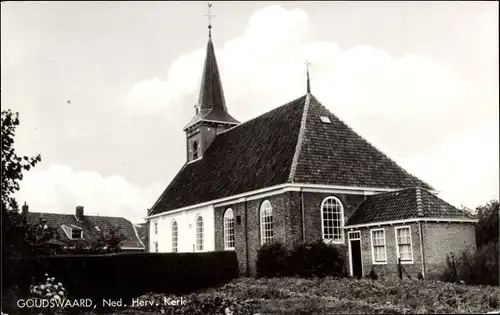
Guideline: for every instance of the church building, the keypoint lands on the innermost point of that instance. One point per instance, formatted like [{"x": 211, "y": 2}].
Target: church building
[{"x": 299, "y": 174}]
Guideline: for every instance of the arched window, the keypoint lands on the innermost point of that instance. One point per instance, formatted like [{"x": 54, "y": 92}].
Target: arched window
[
  {"x": 229, "y": 229},
  {"x": 266, "y": 223},
  {"x": 199, "y": 233},
  {"x": 332, "y": 223},
  {"x": 175, "y": 236},
  {"x": 195, "y": 150}
]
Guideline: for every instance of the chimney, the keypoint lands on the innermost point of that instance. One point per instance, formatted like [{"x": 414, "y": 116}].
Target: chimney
[
  {"x": 25, "y": 209},
  {"x": 79, "y": 212}
]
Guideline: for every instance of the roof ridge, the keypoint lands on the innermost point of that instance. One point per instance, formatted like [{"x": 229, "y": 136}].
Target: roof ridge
[
  {"x": 420, "y": 210},
  {"x": 300, "y": 138},
  {"x": 137, "y": 235},
  {"x": 375, "y": 147},
  {"x": 257, "y": 117}
]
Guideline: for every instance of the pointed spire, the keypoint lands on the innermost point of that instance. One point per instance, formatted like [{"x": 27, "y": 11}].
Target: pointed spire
[
  {"x": 307, "y": 63},
  {"x": 211, "y": 101}
]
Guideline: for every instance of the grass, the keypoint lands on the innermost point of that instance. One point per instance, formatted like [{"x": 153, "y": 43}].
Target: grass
[
  {"x": 342, "y": 296},
  {"x": 329, "y": 296}
]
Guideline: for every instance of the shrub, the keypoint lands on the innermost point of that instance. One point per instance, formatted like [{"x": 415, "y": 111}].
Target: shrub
[
  {"x": 317, "y": 260},
  {"x": 479, "y": 267},
  {"x": 50, "y": 289},
  {"x": 127, "y": 275},
  {"x": 305, "y": 260},
  {"x": 272, "y": 260}
]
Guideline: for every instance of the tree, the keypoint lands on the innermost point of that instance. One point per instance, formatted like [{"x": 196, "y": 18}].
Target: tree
[
  {"x": 19, "y": 237},
  {"x": 12, "y": 164},
  {"x": 487, "y": 228}
]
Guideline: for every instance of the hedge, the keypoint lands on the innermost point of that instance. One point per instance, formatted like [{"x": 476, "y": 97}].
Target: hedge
[
  {"x": 123, "y": 275},
  {"x": 306, "y": 260}
]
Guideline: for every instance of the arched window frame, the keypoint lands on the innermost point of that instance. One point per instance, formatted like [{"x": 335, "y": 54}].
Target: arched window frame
[
  {"x": 327, "y": 238},
  {"x": 175, "y": 236},
  {"x": 199, "y": 236},
  {"x": 266, "y": 225},
  {"x": 195, "y": 150},
  {"x": 228, "y": 221}
]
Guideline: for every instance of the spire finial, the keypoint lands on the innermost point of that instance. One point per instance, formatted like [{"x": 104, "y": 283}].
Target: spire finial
[
  {"x": 307, "y": 63},
  {"x": 210, "y": 16}
]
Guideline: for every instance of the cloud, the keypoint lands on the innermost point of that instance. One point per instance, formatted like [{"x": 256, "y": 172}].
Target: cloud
[
  {"x": 466, "y": 167},
  {"x": 60, "y": 189},
  {"x": 412, "y": 107}
]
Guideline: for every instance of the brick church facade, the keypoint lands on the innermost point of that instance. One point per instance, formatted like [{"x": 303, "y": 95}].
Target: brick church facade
[{"x": 298, "y": 174}]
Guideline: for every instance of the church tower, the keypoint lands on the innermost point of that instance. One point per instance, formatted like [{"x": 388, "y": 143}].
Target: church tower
[{"x": 211, "y": 115}]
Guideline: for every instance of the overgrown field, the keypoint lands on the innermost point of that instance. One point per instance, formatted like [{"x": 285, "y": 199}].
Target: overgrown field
[{"x": 330, "y": 295}]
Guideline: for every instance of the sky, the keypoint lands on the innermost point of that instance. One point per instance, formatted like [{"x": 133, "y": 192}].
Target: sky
[{"x": 104, "y": 89}]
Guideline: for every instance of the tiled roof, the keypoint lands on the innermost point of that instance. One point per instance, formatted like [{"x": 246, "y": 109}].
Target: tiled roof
[
  {"x": 142, "y": 231},
  {"x": 88, "y": 224},
  {"x": 333, "y": 154},
  {"x": 259, "y": 153},
  {"x": 253, "y": 155},
  {"x": 404, "y": 204}
]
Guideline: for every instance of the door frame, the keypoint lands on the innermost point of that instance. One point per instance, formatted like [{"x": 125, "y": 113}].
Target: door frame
[{"x": 355, "y": 236}]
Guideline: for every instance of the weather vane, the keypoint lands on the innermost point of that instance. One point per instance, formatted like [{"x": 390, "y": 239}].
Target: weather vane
[
  {"x": 210, "y": 16},
  {"x": 307, "y": 63}
]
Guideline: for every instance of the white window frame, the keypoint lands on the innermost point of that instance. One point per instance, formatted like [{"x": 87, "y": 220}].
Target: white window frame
[
  {"x": 176, "y": 238},
  {"x": 342, "y": 236},
  {"x": 374, "y": 262},
  {"x": 199, "y": 236},
  {"x": 396, "y": 228},
  {"x": 264, "y": 238},
  {"x": 76, "y": 230},
  {"x": 156, "y": 227},
  {"x": 228, "y": 228},
  {"x": 351, "y": 236}
]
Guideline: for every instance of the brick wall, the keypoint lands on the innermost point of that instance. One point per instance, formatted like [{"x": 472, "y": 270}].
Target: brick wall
[
  {"x": 441, "y": 239},
  {"x": 312, "y": 211},
  {"x": 247, "y": 233},
  {"x": 390, "y": 268},
  {"x": 287, "y": 216}
]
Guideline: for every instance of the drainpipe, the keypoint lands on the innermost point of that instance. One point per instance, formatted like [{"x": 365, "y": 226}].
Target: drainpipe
[
  {"x": 246, "y": 238},
  {"x": 422, "y": 247},
  {"x": 303, "y": 216}
]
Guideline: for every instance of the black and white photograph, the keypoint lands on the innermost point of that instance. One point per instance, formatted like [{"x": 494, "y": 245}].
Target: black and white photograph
[{"x": 250, "y": 157}]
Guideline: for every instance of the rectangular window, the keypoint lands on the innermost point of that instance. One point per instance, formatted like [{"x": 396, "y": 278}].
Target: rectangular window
[
  {"x": 156, "y": 247},
  {"x": 156, "y": 227},
  {"x": 76, "y": 234},
  {"x": 379, "y": 255},
  {"x": 403, "y": 241}
]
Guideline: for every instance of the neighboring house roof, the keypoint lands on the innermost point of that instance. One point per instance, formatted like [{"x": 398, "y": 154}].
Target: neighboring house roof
[
  {"x": 404, "y": 204},
  {"x": 142, "y": 231},
  {"x": 287, "y": 144},
  {"x": 91, "y": 227}
]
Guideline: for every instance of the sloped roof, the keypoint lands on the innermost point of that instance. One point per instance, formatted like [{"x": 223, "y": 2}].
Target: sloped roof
[
  {"x": 142, "y": 231},
  {"x": 88, "y": 224},
  {"x": 287, "y": 144},
  {"x": 404, "y": 204},
  {"x": 211, "y": 101}
]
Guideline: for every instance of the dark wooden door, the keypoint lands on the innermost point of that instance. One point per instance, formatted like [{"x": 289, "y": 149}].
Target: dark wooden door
[{"x": 357, "y": 268}]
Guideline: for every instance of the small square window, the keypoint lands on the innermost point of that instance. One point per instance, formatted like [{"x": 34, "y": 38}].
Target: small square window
[
  {"x": 76, "y": 234},
  {"x": 325, "y": 119}
]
